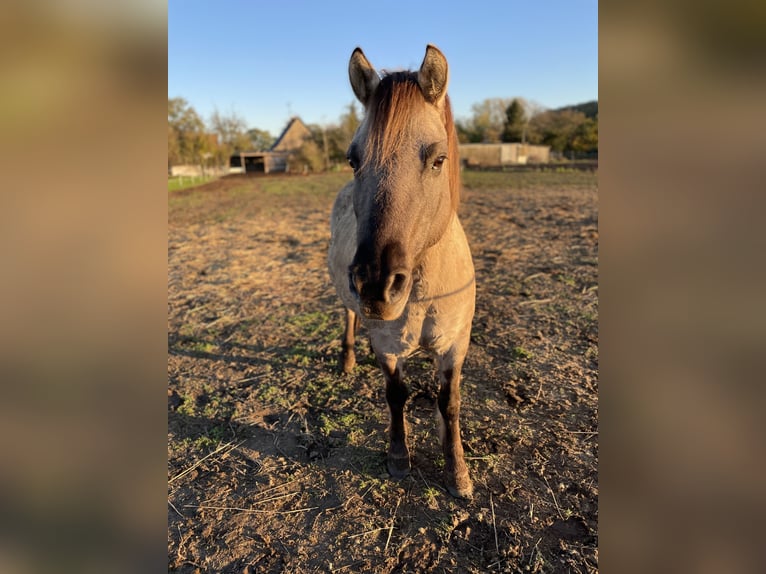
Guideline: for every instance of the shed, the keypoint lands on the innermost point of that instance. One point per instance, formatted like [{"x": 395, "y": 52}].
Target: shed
[
  {"x": 275, "y": 159},
  {"x": 500, "y": 154}
]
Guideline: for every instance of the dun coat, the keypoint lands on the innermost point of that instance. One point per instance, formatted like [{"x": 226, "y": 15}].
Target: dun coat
[{"x": 398, "y": 256}]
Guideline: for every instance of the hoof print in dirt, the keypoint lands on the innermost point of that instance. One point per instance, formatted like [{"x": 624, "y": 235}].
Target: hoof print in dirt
[
  {"x": 317, "y": 450},
  {"x": 572, "y": 529}
]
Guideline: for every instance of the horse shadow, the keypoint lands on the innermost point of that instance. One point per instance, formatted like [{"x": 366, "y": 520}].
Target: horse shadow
[
  {"x": 302, "y": 434},
  {"x": 297, "y": 433}
]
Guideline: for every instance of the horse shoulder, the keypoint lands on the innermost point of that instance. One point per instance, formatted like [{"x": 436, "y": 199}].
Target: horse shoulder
[{"x": 342, "y": 243}]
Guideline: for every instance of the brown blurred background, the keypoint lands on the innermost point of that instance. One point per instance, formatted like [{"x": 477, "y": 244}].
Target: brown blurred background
[
  {"x": 83, "y": 289},
  {"x": 683, "y": 314}
]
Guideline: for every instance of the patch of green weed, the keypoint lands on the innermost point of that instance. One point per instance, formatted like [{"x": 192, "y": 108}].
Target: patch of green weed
[
  {"x": 343, "y": 422},
  {"x": 187, "y": 407},
  {"x": 429, "y": 495},
  {"x": 202, "y": 347},
  {"x": 310, "y": 323},
  {"x": 325, "y": 388},
  {"x": 272, "y": 394},
  {"x": 522, "y": 353}
]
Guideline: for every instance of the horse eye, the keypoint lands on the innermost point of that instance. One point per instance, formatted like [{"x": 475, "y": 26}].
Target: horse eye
[
  {"x": 438, "y": 162},
  {"x": 351, "y": 163}
]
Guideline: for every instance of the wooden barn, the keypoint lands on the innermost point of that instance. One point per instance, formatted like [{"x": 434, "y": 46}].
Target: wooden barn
[
  {"x": 501, "y": 154},
  {"x": 275, "y": 159}
]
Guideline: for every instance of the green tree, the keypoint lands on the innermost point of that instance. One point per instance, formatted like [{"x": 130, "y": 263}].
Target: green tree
[
  {"x": 349, "y": 122},
  {"x": 556, "y": 128},
  {"x": 174, "y": 149},
  {"x": 567, "y": 129},
  {"x": 585, "y": 139},
  {"x": 337, "y": 142},
  {"x": 337, "y": 137},
  {"x": 260, "y": 140},
  {"x": 308, "y": 157},
  {"x": 187, "y": 140},
  {"x": 465, "y": 133},
  {"x": 515, "y": 122},
  {"x": 489, "y": 121}
]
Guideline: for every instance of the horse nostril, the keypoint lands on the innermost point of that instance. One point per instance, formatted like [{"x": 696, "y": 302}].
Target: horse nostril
[
  {"x": 396, "y": 286},
  {"x": 400, "y": 280}
]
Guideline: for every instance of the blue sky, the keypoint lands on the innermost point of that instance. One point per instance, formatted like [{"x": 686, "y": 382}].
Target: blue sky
[{"x": 268, "y": 60}]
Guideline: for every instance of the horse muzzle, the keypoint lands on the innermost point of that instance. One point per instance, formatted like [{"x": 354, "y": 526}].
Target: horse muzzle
[{"x": 381, "y": 296}]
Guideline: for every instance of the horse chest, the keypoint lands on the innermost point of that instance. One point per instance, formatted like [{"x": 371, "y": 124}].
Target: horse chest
[
  {"x": 438, "y": 335},
  {"x": 400, "y": 337},
  {"x": 419, "y": 328}
]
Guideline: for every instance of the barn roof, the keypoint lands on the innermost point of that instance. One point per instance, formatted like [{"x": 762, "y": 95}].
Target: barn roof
[
  {"x": 290, "y": 139},
  {"x": 292, "y": 136}
]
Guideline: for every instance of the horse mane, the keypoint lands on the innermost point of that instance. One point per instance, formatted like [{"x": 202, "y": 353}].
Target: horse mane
[{"x": 390, "y": 112}]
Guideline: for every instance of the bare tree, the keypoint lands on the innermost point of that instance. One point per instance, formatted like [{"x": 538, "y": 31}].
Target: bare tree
[
  {"x": 531, "y": 109},
  {"x": 231, "y": 131}
]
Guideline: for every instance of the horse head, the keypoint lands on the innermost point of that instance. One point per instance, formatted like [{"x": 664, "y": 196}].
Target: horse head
[{"x": 406, "y": 178}]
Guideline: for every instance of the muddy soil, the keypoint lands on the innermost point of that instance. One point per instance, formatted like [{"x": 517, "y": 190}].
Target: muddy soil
[{"x": 276, "y": 461}]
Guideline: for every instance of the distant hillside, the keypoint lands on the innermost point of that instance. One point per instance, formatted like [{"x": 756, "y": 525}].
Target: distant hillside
[{"x": 590, "y": 109}]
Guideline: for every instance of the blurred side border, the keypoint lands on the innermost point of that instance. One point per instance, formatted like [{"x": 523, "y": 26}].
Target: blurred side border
[{"x": 683, "y": 317}]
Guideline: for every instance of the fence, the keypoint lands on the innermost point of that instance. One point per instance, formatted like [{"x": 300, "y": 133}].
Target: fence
[{"x": 185, "y": 181}]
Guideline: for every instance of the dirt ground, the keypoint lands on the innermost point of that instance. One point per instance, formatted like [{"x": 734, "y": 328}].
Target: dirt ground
[{"x": 276, "y": 461}]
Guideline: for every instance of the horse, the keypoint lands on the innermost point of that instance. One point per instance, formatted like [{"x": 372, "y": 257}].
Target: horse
[{"x": 398, "y": 255}]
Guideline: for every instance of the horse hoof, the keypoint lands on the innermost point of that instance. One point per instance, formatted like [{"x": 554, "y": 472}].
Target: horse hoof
[
  {"x": 348, "y": 362},
  {"x": 460, "y": 487},
  {"x": 398, "y": 467}
]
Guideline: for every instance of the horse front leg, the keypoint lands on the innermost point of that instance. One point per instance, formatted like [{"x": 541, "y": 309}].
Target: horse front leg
[
  {"x": 448, "y": 418},
  {"x": 347, "y": 355},
  {"x": 398, "y": 459}
]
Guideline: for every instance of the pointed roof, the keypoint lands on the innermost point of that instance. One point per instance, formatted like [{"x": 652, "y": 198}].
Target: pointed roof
[{"x": 292, "y": 136}]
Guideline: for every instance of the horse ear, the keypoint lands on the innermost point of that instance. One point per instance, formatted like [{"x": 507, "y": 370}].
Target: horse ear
[
  {"x": 364, "y": 78},
  {"x": 433, "y": 75}
]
